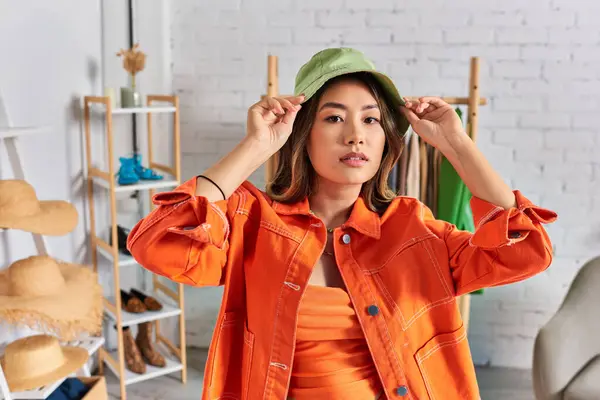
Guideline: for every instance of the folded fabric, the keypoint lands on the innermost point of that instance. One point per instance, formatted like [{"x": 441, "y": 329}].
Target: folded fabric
[{"x": 70, "y": 389}]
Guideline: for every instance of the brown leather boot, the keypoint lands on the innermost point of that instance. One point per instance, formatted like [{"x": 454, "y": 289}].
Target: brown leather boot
[
  {"x": 131, "y": 303},
  {"x": 133, "y": 357},
  {"x": 150, "y": 302},
  {"x": 144, "y": 342}
]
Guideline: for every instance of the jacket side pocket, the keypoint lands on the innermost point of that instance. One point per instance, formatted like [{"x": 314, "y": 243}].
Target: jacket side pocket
[
  {"x": 247, "y": 361},
  {"x": 226, "y": 372},
  {"x": 446, "y": 367}
]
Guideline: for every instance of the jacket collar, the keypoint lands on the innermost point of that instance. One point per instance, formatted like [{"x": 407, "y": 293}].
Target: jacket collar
[
  {"x": 300, "y": 208},
  {"x": 364, "y": 220},
  {"x": 361, "y": 218}
]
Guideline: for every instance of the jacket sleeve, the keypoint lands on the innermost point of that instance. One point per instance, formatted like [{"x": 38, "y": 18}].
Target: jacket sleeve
[
  {"x": 186, "y": 238},
  {"x": 507, "y": 246}
]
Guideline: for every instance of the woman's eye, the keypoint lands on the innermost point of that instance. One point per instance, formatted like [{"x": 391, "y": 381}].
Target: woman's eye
[
  {"x": 371, "y": 120},
  {"x": 334, "y": 118}
]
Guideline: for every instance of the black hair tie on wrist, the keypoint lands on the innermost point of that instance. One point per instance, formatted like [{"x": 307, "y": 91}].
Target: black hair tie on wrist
[{"x": 213, "y": 182}]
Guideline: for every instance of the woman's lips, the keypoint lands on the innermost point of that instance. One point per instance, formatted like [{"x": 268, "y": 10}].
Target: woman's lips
[{"x": 354, "y": 160}]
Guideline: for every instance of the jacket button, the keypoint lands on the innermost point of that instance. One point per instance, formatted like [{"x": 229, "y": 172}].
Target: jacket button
[
  {"x": 402, "y": 391},
  {"x": 373, "y": 310},
  {"x": 346, "y": 239}
]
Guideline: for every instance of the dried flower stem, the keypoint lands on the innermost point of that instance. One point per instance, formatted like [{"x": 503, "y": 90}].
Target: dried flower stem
[{"x": 134, "y": 61}]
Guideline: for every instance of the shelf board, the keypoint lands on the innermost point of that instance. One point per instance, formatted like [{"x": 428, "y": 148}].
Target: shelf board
[
  {"x": 136, "y": 110},
  {"x": 129, "y": 319},
  {"x": 20, "y": 131},
  {"x": 166, "y": 182},
  {"x": 124, "y": 260},
  {"x": 144, "y": 110},
  {"x": 172, "y": 366},
  {"x": 91, "y": 344}
]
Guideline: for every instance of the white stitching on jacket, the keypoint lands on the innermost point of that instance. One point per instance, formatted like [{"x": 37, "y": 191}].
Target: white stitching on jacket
[
  {"x": 279, "y": 365},
  {"x": 292, "y": 285}
]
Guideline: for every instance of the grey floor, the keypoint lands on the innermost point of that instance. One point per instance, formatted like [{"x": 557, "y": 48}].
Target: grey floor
[{"x": 495, "y": 383}]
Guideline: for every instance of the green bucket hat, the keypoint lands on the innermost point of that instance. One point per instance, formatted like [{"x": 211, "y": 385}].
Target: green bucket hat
[{"x": 333, "y": 62}]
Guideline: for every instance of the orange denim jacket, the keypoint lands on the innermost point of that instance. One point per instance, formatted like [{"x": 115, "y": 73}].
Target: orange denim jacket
[{"x": 402, "y": 270}]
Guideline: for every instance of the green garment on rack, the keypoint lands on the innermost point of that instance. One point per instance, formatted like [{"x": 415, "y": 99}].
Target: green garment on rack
[{"x": 454, "y": 198}]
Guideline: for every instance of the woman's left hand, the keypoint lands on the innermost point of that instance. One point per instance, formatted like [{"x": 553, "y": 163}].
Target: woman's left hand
[{"x": 435, "y": 121}]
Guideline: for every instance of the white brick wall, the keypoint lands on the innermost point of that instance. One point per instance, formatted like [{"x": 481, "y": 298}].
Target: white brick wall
[{"x": 540, "y": 129}]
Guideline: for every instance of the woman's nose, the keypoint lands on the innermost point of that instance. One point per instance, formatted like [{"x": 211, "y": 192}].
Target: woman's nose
[{"x": 355, "y": 134}]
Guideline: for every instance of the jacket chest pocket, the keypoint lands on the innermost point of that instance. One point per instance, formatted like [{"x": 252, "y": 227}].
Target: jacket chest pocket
[
  {"x": 413, "y": 281},
  {"x": 230, "y": 372}
]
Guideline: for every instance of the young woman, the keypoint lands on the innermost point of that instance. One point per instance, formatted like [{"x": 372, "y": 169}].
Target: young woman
[{"x": 335, "y": 288}]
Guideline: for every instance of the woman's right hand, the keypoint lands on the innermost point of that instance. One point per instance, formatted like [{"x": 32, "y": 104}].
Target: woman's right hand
[{"x": 270, "y": 121}]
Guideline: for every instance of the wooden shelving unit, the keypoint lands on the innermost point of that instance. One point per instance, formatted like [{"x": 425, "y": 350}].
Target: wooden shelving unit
[{"x": 173, "y": 301}]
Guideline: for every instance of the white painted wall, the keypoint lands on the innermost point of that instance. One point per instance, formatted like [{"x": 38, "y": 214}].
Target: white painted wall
[
  {"x": 540, "y": 129},
  {"x": 50, "y": 58}
]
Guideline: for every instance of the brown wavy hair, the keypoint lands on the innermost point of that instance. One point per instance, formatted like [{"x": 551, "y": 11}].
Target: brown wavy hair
[{"x": 295, "y": 177}]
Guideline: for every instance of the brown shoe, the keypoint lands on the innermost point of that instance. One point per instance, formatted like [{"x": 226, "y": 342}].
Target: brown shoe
[
  {"x": 133, "y": 357},
  {"x": 131, "y": 303},
  {"x": 144, "y": 342},
  {"x": 150, "y": 302}
]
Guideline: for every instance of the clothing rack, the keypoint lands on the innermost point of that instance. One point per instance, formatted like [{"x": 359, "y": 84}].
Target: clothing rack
[{"x": 473, "y": 102}]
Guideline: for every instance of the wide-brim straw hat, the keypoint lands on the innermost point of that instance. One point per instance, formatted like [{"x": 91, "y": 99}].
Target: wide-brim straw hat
[
  {"x": 36, "y": 361},
  {"x": 21, "y": 209},
  {"x": 51, "y": 296}
]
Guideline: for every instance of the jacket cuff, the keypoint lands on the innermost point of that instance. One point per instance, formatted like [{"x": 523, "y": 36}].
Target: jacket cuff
[
  {"x": 213, "y": 226},
  {"x": 496, "y": 227},
  {"x": 180, "y": 194}
]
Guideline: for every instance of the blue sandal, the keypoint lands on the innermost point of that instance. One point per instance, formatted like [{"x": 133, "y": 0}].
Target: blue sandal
[
  {"x": 126, "y": 173},
  {"x": 143, "y": 172}
]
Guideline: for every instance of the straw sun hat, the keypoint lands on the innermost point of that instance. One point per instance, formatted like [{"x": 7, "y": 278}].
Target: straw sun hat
[
  {"x": 21, "y": 209},
  {"x": 57, "y": 297},
  {"x": 38, "y": 360}
]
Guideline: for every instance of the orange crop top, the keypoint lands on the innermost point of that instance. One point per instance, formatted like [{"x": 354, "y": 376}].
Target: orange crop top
[{"x": 332, "y": 360}]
